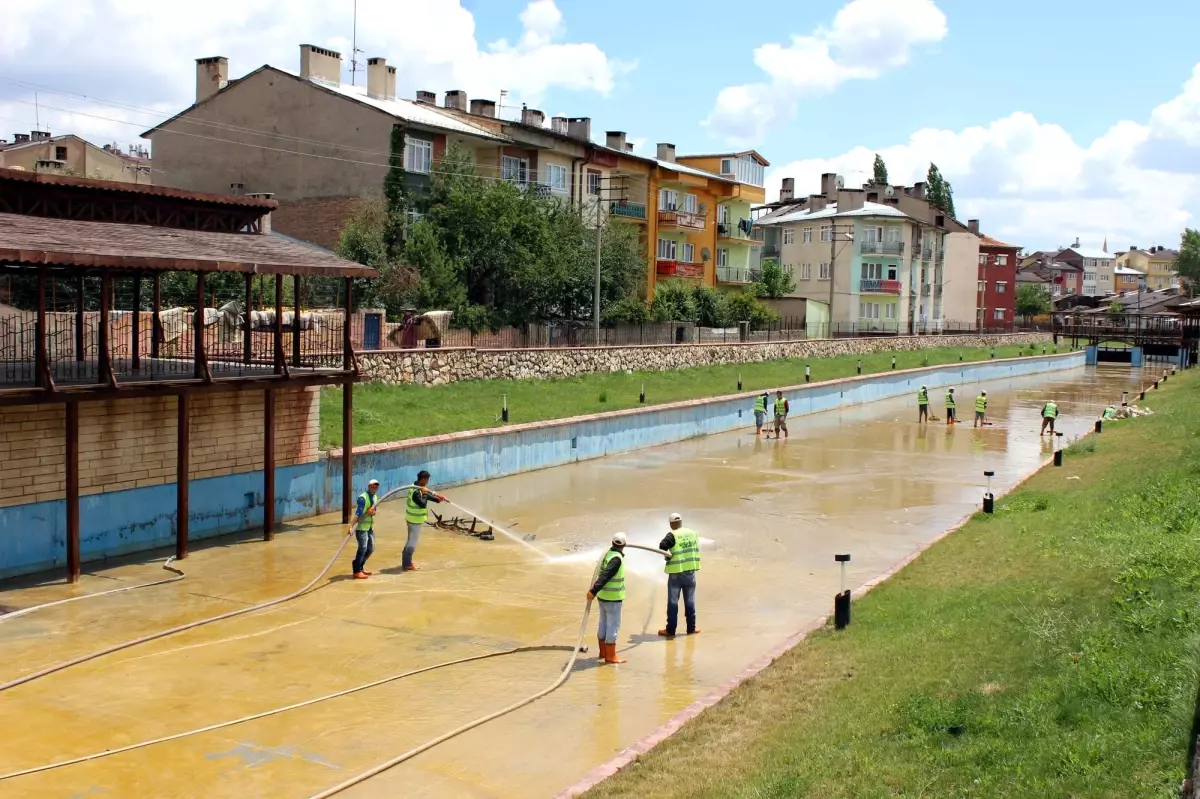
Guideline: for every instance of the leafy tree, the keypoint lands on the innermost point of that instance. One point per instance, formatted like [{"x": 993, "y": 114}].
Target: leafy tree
[
  {"x": 672, "y": 303},
  {"x": 1032, "y": 300},
  {"x": 742, "y": 307},
  {"x": 710, "y": 305},
  {"x": 881, "y": 176},
  {"x": 938, "y": 191},
  {"x": 395, "y": 199},
  {"x": 1116, "y": 310},
  {"x": 949, "y": 195},
  {"x": 631, "y": 310},
  {"x": 774, "y": 282},
  {"x": 364, "y": 240},
  {"x": 1187, "y": 264}
]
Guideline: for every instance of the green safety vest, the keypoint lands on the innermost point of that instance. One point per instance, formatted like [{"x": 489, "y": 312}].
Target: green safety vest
[
  {"x": 1050, "y": 411},
  {"x": 781, "y": 407},
  {"x": 414, "y": 513},
  {"x": 981, "y": 404},
  {"x": 366, "y": 522},
  {"x": 949, "y": 399},
  {"x": 614, "y": 589},
  {"x": 760, "y": 405},
  {"x": 685, "y": 555},
  {"x": 922, "y": 397}
]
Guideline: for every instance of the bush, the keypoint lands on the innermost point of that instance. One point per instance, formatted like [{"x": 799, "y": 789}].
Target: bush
[
  {"x": 712, "y": 306},
  {"x": 631, "y": 310},
  {"x": 672, "y": 303},
  {"x": 742, "y": 306}
]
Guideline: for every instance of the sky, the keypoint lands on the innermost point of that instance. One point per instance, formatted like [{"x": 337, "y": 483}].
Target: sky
[{"x": 1052, "y": 119}]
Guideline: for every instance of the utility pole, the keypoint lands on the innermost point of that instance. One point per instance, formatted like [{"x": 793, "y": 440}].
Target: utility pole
[
  {"x": 354, "y": 51},
  {"x": 599, "y": 233}
]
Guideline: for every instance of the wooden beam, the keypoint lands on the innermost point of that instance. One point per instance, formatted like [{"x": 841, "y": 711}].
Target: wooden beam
[
  {"x": 296, "y": 321},
  {"x": 347, "y": 449},
  {"x": 247, "y": 338},
  {"x": 269, "y": 464},
  {"x": 72, "y": 498},
  {"x": 182, "y": 470},
  {"x": 102, "y": 333},
  {"x": 347, "y": 342},
  {"x": 156, "y": 332},
  {"x": 201, "y": 357},
  {"x": 279, "y": 357},
  {"x": 136, "y": 351},
  {"x": 79, "y": 290},
  {"x": 42, "y": 357}
]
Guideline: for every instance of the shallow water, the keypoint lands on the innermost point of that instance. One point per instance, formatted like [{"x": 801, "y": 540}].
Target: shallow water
[{"x": 865, "y": 480}]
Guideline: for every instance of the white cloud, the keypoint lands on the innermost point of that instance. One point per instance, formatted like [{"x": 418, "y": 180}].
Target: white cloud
[
  {"x": 143, "y": 53},
  {"x": 867, "y": 38},
  {"x": 1033, "y": 184}
]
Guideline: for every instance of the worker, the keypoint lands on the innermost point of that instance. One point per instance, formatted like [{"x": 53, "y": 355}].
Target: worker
[
  {"x": 980, "y": 409},
  {"x": 1049, "y": 414},
  {"x": 951, "y": 418},
  {"x": 760, "y": 413},
  {"x": 416, "y": 512},
  {"x": 683, "y": 561},
  {"x": 363, "y": 527},
  {"x": 922, "y": 405},
  {"x": 781, "y": 412},
  {"x": 609, "y": 589}
]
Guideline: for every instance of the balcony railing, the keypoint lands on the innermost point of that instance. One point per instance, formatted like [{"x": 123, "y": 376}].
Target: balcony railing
[
  {"x": 869, "y": 285},
  {"x": 940, "y": 256},
  {"x": 729, "y": 230},
  {"x": 628, "y": 210},
  {"x": 925, "y": 290},
  {"x": 737, "y": 274},
  {"x": 770, "y": 251},
  {"x": 883, "y": 247},
  {"x": 685, "y": 219},
  {"x": 927, "y": 254},
  {"x": 667, "y": 268}
]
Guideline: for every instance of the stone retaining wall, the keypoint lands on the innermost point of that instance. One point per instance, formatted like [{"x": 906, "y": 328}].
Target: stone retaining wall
[{"x": 436, "y": 367}]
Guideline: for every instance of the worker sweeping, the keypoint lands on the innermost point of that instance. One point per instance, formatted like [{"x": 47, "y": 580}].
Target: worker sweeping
[
  {"x": 760, "y": 413},
  {"x": 1049, "y": 414},
  {"x": 609, "y": 591},
  {"x": 980, "y": 409},
  {"x": 683, "y": 561},
  {"x": 951, "y": 417},
  {"x": 922, "y": 405},
  {"x": 781, "y": 414},
  {"x": 363, "y": 527},
  {"x": 416, "y": 512}
]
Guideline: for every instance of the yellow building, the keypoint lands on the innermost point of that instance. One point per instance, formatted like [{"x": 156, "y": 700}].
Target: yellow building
[
  {"x": 1156, "y": 263},
  {"x": 70, "y": 155}
]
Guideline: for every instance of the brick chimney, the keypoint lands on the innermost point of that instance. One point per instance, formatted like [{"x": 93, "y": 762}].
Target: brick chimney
[
  {"x": 628, "y": 146},
  {"x": 973, "y": 226},
  {"x": 428, "y": 98},
  {"x": 378, "y": 74},
  {"x": 829, "y": 185},
  {"x": 457, "y": 99},
  {"x": 579, "y": 128},
  {"x": 212, "y": 75},
  {"x": 559, "y": 125},
  {"x": 615, "y": 140},
  {"x": 320, "y": 64},
  {"x": 918, "y": 190},
  {"x": 787, "y": 190},
  {"x": 39, "y": 135},
  {"x": 666, "y": 152},
  {"x": 20, "y": 138},
  {"x": 483, "y": 108},
  {"x": 264, "y": 221},
  {"x": 532, "y": 117}
]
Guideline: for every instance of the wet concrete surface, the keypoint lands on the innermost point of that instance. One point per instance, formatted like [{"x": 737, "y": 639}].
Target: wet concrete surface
[{"x": 868, "y": 480}]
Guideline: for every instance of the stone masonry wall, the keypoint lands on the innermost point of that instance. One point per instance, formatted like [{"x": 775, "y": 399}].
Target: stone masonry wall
[
  {"x": 130, "y": 443},
  {"x": 439, "y": 366}
]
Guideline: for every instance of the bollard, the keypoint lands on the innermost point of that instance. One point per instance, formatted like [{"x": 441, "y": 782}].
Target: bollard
[
  {"x": 993, "y": 353},
  {"x": 893, "y": 361},
  {"x": 926, "y": 359},
  {"x": 989, "y": 499},
  {"x": 1099, "y": 424},
  {"x": 739, "y": 382},
  {"x": 841, "y": 602},
  {"x": 807, "y": 374},
  {"x": 1058, "y": 453},
  {"x": 1164, "y": 375},
  {"x": 1142, "y": 396},
  {"x": 642, "y": 396},
  {"x": 1043, "y": 349},
  {"x": 860, "y": 366},
  {"x": 504, "y": 410},
  {"x": 960, "y": 356},
  {"x": 1124, "y": 398},
  {"x": 1156, "y": 385}
]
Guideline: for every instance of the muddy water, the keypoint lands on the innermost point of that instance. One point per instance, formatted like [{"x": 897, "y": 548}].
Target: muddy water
[{"x": 868, "y": 481}]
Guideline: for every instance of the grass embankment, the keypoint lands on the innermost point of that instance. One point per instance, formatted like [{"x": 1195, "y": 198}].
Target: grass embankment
[
  {"x": 393, "y": 413},
  {"x": 1045, "y": 651}
]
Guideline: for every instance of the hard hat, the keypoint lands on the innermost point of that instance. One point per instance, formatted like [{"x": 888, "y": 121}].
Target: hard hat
[
  {"x": 619, "y": 539},
  {"x": 951, "y": 389},
  {"x": 922, "y": 388},
  {"x": 675, "y": 517},
  {"x": 372, "y": 482},
  {"x": 984, "y": 393}
]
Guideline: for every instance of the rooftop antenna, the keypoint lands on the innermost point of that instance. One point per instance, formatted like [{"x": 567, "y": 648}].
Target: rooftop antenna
[{"x": 354, "y": 51}]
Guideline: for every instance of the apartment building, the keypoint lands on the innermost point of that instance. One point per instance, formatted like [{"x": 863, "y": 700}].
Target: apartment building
[
  {"x": 1096, "y": 268},
  {"x": 68, "y": 154},
  {"x": 1062, "y": 279},
  {"x": 1126, "y": 279},
  {"x": 1156, "y": 263},
  {"x": 997, "y": 286}
]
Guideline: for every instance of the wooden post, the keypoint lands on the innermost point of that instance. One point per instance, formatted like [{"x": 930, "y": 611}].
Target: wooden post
[
  {"x": 102, "y": 333},
  {"x": 156, "y": 331},
  {"x": 347, "y": 346},
  {"x": 198, "y": 343},
  {"x": 41, "y": 355},
  {"x": 136, "y": 352},
  {"x": 182, "y": 470},
  {"x": 296, "y": 321},
  {"x": 79, "y": 288},
  {"x": 347, "y": 448},
  {"x": 72, "y": 458},
  {"x": 247, "y": 352},
  {"x": 278, "y": 360},
  {"x": 269, "y": 464}
]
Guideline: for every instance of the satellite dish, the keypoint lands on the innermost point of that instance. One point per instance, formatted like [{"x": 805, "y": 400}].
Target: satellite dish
[
  {"x": 841, "y": 182},
  {"x": 704, "y": 254},
  {"x": 889, "y": 191}
]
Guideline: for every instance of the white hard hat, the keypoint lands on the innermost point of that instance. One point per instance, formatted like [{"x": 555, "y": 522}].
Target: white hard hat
[
  {"x": 922, "y": 388},
  {"x": 675, "y": 517},
  {"x": 619, "y": 539},
  {"x": 984, "y": 393},
  {"x": 372, "y": 482}
]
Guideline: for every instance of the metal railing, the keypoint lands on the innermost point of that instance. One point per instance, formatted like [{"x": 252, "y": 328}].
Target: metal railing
[
  {"x": 685, "y": 219},
  {"x": 628, "y": 210},
  {"x": 882, "y": 247},
  {"x": 869, "y": 285},
  {"x": 728, "y": 230},
  {"x": 737, "y": 274}
]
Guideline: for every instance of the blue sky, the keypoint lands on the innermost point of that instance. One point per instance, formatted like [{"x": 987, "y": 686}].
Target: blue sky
[{"x": 1053, "y": 119}]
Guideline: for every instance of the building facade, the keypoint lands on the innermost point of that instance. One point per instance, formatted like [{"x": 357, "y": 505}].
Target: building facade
[
  {"x": 1126, "y": 279},
  {"x": 1156, "y": 263},
  {"x": 1095, "y": 267},
  {"x": 69, "y": 155},
  {"x": 997, "y": 286}
]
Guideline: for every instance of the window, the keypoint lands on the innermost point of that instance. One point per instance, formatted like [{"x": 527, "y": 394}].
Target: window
[
  {"x": 593, "y": 183},
  {"x": 893, "y": 235},
  {"x": 689, "y": 253},
  {"x": 668, "y": 199},
  {"x": 1089, "y": 277},
  {"x": 889, "y": 311},
  {"x": 826, "y": 232},
  {"x": 514, "y": 170},
  {"x": 689, "y": 203},
  {"x": 418, "y": 155},
  {"x": 872, "y": 271},
  {"x": 998, "y": 314},
  {"x": 666, "y": 250},
  {"x": 789, "y": 236},
  {"x": 871, "y": 234},
  {"x": 982, "y": 286},
  {"x": 723, "y": 214},
  {"x": 722, "y": 256},
  {"x": 892, "y": 273},
  {"x": 556, "y": 177},
  {"x": 868, "y": 310},
  {"x": 808, "y": 235},
  {"x": 823, "y": 274},
  {"x": 982, "y": 259},
  {"x": 1001, "y": 260},
  {"x": 60, "y": 153},
  {"x": 1001, "y": 287},
  {"x": 806, "y": 271},
  {"x": 726, "y": 166}
]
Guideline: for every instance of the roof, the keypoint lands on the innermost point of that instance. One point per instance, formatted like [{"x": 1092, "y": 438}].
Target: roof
[
  {"x": 988, "y": 241},
  {"x": 1030, "y": 276},
  {"x": 754, "y": 153},
  {"x": 1083, "y": 252},
  {"x": 830, "y": 211},
  {"x": 21, "y": 176},
  {"x": 8, "y": 148},
  {"x": 685, "y": 169},
  {"x": 1125, "y": 270},
  {"x": 32, "y": 240}
]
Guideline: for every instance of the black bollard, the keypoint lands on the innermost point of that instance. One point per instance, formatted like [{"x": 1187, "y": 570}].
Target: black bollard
[
  {"x": 739, "y": 382},
  {"x": 841, "y": 602},
  {"x": 993, "y": 354},
  {"x": 504, "y": 410},
  {"x": 960, "y": 356},
  {"x": 1156, "y": 385},
  {"x": 642, "y": 395},
  {"x": 893, "y": 361},
  {"x": 989, "y": 499},
  {"x": 1142, "y": 396},
  {"x": 1058, "y": 453},
  {"x": 1043, "y": 349},
  {"x": 1124, "y": 398},
  {"x": 1099, "y": 425},
  {"x": 860, "y": 367},
  {"x": 807, "y": 374}
]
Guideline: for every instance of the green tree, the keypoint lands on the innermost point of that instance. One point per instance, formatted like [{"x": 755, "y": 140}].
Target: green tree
[
  {"x": 364, "y": 240},
  {"x": 710, "y": 305},
  {"x": 774, "y": 281},
  {"x": 1187, "y": 264},
  {"x": 672, "y": 303},
  {"x": 1032, "y": 300},
  {"x": 880, "y": 177},
  {"x": 1116, "y": 310},
  {"x": 630, "y": 310},
  {"x": 395, "y": 197},
  {"x": 938, "y": 191},
  {"x": 743, "y": 307}
]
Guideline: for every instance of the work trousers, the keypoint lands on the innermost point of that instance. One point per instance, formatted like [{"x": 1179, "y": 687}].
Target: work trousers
[
  {"x": 366, "y": 546},
  {"x": 410, "y": 546},
  {"x": 610, "y": 620},
  {"x": 685, "y": 583}
]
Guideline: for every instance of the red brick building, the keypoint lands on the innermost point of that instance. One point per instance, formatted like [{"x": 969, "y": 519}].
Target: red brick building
[{"x": 997, "y": 282}]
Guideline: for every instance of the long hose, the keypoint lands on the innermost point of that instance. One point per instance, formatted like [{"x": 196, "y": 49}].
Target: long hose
[{"x": 179, "y": 575}]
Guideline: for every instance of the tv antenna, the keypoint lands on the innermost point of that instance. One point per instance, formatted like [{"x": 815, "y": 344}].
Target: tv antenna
[{"x": 354, "y": 51}]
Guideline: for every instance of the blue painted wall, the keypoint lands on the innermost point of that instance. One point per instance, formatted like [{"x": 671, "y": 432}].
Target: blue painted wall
[{"x": 32, "y": 537}]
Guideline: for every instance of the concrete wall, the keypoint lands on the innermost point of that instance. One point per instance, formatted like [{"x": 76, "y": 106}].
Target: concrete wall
[
  {"x": 960, "y": 279},
  {"x": 32, "y": 535}
]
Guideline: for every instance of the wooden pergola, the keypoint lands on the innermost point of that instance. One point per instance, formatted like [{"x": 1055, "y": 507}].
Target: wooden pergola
[{"x": 56, "y": 228}]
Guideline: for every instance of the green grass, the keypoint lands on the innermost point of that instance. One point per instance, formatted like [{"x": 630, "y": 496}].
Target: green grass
[
  {"x": 392, "y": 413},
  {"x": 1048, "y": 650}
]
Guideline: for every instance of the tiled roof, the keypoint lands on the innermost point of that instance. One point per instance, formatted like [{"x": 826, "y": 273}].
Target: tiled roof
[
  {"x": 32, "y": 240},
  {"x": 19, "y": 176},
  {"x": 988, "y": 241},
  {"x": 1126, "y": 270}
]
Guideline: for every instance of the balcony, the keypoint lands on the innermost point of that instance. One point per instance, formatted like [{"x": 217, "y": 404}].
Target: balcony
[
  {"x": 736, "y": 274},
  {"x": 927, "y": 254},
  {"x": 628, "y": 210},
  {"x": 874, "y": 286},
  {"x": 731, "y": 232},
  {"x": 883, "y": 247},
  {"x": 925, "y": 290},
  {"x": 665, "y": 268},
  {"x": 940, "y": 257},
  {"x": 681, "y": 219}
]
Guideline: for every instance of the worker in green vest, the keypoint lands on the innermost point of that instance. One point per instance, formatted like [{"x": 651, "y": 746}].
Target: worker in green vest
[
  {"x": 683, "y": 561},
  {"x": 609, "y": 590},
  {"x": 363, "y": 527},
  {"x": 416, "y": 512},
  {"x": 980, "y": 409},
  {"x": 951, "y": 417},
  {"x": 760, "y": 413},
  {"x": 922, "y": 405},
  {"x": 781, "y": 414},
  {"x": 1049, "y": 414}
]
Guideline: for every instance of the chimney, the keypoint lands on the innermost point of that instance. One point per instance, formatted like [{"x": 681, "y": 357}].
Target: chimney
[
  {"x": 20, "y": 138},
  {"x": 264, "y": 221},
  {"x": 391, "y": 83},
  {"x": 829, "y": 185},
  {"x": 212, "y": 75},
  {"x": 429, "y": 98},
  {"x": 483, "y": 108},
  {"x": 559, "y": 125},
  {"x": 579, "y": 128},
  {"x": 973, "y": 226},
  {"x": 39, "y": 135},
  {"x": 816, "y": 202},
  {"x": 615, "y": 140},
  {"x": 532, "y": 117},
  {"x": 666, "y": 152},
  {"x": 918, "y": 190},
  {"x": 787, "y": 190},
  {"x": 377, "y": 78},
  {"x": 1132, "y": 247},
  {"x": 456, "y": 99},
  {"x": 1076, "y": 244},
  {"x": 320, "y": 64},
  {"x": 628, "y": 146}
]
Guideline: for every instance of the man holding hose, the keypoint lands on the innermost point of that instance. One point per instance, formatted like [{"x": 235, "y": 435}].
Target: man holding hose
[
  {"x": 683, "y": 561},
  {"x": 416, "y": 512},
  {"x": 609, "y": 590},
  {"x": 363, "y": 527}
]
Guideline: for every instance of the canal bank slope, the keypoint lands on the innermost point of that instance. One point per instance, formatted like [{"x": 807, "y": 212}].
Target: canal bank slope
[{"x": 1046, "y": 650}]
